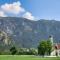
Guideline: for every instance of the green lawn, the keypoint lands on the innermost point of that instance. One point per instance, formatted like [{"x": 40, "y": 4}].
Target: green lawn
[{"x": 18, "y": 57}]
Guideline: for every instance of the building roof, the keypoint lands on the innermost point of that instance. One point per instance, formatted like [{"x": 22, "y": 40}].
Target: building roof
[{"x": 57, "y": 46}]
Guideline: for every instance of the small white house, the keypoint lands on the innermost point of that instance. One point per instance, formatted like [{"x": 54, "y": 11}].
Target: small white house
[
  {"x": 55, "y": 47},
  {"x": 56, "y": 50}
]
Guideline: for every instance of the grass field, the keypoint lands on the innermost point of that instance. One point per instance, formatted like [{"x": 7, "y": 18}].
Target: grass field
[{"x": 17, "y": 57}]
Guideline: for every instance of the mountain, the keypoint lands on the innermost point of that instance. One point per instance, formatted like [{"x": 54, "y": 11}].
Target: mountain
[{"x": 27, "y": 33}]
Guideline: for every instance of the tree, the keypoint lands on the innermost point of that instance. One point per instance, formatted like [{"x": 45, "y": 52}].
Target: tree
[
  {"x": 49, "y": 47},
  {"x": 44, "y": 47},
  {"x": 32, "y": 51},
  {"x": 13, "y": 50}
]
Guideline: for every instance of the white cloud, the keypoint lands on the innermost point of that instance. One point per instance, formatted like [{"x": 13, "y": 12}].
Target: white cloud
[
  {"x": 14, "y": 8},
  {"x": 2, "y": 14},
  {"x": 28, "y": 15}
]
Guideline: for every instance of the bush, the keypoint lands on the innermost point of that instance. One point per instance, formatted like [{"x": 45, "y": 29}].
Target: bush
[
  {"x": 13, "y": 50},
  {"x": 5, "y": 52},
  {"x": 25, "y": 51}
]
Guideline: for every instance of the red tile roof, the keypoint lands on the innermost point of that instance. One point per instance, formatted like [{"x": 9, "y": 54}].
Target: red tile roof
[{"x": 57, "y": 46}]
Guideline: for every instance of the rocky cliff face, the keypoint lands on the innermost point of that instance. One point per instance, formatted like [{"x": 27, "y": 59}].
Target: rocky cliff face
[{"x": 27, "y": 33}]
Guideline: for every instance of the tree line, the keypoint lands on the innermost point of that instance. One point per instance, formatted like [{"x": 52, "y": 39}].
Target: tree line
[{"x": 44, "y": 48}]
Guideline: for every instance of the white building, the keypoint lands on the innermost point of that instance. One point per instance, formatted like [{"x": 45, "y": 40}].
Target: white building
[
  {"x": 55, "y": 47},
  {"x": 56, "y": 50}
]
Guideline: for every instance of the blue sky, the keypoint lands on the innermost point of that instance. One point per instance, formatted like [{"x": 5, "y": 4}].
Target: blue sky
[{"x": 37, "y": 9}]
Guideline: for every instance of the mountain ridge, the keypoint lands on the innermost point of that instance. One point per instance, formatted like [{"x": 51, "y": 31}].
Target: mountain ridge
[{"x": 27, "y": 33}]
